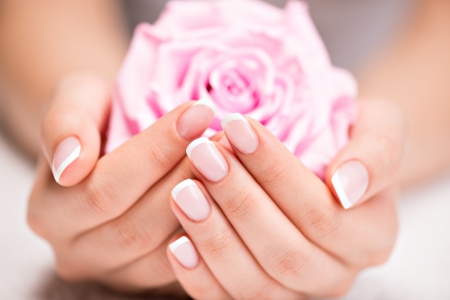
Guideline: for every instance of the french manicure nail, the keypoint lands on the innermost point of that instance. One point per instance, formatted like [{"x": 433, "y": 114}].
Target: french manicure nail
[
  {"x": 196, "y": 119},
  {"x": 184, "y": 252},
  {"x": 240, "y": 133},
  {"x": 65, "y": 154},
  {"x": 350, "y": 182},
  {"x": 207, "y": 159},
  {"x": 191, "y": 200}
]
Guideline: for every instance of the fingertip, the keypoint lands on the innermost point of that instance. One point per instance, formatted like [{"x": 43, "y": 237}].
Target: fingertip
[{"x": 184, "y": 252}]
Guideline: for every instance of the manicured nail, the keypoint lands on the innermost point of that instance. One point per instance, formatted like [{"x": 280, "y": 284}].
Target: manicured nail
[
  {"x": 191, "y": 200},
  {"x": 65, "y": 154},
  {"x": 350, "y": 182},
  {"x": 196, "y": 119},
  {"x": 207, "y": 159},
  {"x": 184, "y": 252},
  {"x": 240, "y": 133}
]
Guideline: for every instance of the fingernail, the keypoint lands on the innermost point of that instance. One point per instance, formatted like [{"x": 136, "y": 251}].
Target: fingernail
[
  {"x": 191, "y": 200},
  {"x": 65, "y": 154},
  {"x": 196, "y": 119},
  {"x": 350, "y": 182},
  {"x": 240, "y": 133},
  {"x": 184, "y": 252},
  {"x": 207, "y": 159}
]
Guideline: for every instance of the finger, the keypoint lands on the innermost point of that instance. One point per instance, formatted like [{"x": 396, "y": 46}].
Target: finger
[
  {"x": 72, "y": 126},
  {"x": 277, "y": 244},
  {"x": 307, "y": 201},
  {"x": 221, "y": 248},
  {"x": 123, "y": 176},
  {"x": 372, "y": 158},
  {"x": 139, "y": 231},
  {"x": 192, "y": 272},
  {"x": 151, "y": 271}
]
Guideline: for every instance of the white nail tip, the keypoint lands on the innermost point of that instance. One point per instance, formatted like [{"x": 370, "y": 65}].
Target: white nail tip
[
  {"x": 336, "y": 181},
  {"x": 70, "y": 159},
  {"x": 182, "y": 240},
  {"x": 195, "y": 143},
  {"x": 181, "y": 186},
  {"x": 208, "y": 103},
  {"x": 233, "y": 117}
]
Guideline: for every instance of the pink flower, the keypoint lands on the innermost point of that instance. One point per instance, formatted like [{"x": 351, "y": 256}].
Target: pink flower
[{"x": 248, "y": 57}]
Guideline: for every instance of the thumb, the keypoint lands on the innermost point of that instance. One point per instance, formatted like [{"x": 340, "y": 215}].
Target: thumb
[
  {"x": 72, "y": 127},
  {"x": 371, "y": 160}
]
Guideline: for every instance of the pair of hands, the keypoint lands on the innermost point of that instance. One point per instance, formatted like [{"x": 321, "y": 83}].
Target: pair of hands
[{"x": 268, "y": 226}]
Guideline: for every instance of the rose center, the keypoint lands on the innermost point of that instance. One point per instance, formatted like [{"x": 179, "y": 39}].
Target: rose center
[{"x": 233, "y": 88}]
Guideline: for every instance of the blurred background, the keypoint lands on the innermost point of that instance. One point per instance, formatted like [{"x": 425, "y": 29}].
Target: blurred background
[{"x": 366, "y": 36}]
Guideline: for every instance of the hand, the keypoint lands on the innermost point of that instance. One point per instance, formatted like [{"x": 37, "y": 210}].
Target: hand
[
  {"x": 260, "y": 225},
  {"x": 108, "y": 219}
]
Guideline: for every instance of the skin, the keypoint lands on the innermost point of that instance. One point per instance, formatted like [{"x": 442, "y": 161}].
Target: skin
[
  {"x": 412, "y": 72},
  {"x": 61, "y": 45},
  {"x": 107, "y": 232},
  {"x": 262, "y": 238}
]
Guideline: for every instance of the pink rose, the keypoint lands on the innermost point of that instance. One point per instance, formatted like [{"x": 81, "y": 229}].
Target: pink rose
[{"x": 247, "y": 57}]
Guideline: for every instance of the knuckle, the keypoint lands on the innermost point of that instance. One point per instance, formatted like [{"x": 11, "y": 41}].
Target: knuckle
[
  {"x": 219, "y": 245},
  {"x": 273, "y": 174},
  {"x": 97, "y": 198},
  {"x": 159, "y": 157},
  {"x": 291, "y": 263},
  {"x": 131, "y": 235},
  {"x": 320, "y": 221},
  {"x": 240, "y": 206}
]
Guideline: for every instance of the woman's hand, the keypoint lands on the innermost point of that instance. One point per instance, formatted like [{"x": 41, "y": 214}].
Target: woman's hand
[
  {"x": 260, "y": 225},
  {"x": 111, "y": 221}
]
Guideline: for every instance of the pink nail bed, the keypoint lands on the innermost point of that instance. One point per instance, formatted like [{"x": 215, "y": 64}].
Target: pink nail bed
[
  {"x": 350, "y": 182},
  {"x": 240, "y": 133},
  {"x": 65, "y": 154},
  {"x": 184, "y": 252},
  {"x": 191, "y": 200},
  {"x": 207, "y": 159}
]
